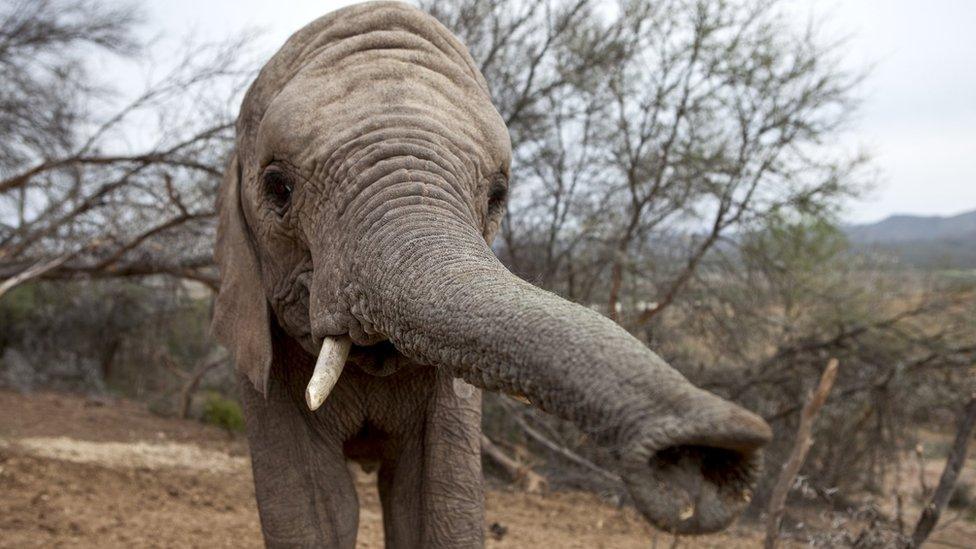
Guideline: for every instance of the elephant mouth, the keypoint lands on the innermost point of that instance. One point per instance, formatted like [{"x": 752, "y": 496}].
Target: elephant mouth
[
  {"x": 380, "y": 359},
  {"x": 338, "y": 352}
]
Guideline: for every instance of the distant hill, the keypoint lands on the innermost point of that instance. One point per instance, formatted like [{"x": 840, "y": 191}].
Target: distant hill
[{"x": 924, "y": 241}]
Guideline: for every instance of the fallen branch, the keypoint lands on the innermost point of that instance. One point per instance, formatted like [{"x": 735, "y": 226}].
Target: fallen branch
[
  {"x": 525, "y": 477},
  {"x": 802, "y": 444},
  {"x": 561, "y": 450},
  {"x": 947, "y": 483}
]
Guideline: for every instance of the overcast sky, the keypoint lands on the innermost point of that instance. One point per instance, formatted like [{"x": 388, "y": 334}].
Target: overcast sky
[{"x": 918, "y": 117}]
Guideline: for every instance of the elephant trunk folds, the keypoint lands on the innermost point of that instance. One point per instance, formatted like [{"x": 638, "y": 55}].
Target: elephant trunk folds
[{"x": 434, "y": 288}]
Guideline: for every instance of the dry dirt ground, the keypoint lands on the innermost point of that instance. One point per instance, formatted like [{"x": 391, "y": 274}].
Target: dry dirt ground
[{"x": 76, "y": 472}]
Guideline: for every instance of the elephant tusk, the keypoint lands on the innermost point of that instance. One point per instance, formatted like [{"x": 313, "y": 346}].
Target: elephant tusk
[{"x": 328, "y": 368}]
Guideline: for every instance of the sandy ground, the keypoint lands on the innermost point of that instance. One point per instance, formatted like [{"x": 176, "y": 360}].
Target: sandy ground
[{"x": 86, "y": 473}]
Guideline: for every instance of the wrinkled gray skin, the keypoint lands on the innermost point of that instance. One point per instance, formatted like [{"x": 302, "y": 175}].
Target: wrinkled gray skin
[{"x": 377, "y": 119}]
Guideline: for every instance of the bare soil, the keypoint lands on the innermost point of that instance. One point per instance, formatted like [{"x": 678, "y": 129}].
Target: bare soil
[{"x": 77, "y": 472}]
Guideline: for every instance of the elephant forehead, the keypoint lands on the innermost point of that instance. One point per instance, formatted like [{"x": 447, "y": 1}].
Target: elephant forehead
[
  {"x": 369, "y": 68},
  {"x": 321, "y": 111}
]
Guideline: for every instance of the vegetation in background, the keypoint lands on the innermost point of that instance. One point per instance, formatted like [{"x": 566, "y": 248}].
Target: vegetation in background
[
  {"x": 224, "y": 413},
  {"x": 144, "y": 340}
]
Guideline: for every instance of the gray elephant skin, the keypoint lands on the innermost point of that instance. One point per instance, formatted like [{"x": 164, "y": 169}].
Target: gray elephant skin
[{"x": 369, "y": 175}]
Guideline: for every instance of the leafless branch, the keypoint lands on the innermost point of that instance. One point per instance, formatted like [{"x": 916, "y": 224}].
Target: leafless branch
[{"x": 801, "y": 446}]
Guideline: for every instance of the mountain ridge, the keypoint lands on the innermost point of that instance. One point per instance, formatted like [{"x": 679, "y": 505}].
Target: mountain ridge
[
  {"x": 907, "y": 227},
  {"x": 921, "y": 240}
]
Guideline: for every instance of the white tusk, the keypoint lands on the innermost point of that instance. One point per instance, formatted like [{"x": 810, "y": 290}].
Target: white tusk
[{"x": 328, "y": 368}]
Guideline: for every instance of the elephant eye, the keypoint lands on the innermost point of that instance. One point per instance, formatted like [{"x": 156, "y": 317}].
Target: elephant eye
[
  {"x": 496, "y": 195},
  {"x": 278, "y": 187}
]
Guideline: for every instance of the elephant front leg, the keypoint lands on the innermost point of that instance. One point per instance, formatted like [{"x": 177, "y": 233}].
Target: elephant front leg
[
  {"x": 306, "y": 496},
  {"x": 432, "y": 489}
]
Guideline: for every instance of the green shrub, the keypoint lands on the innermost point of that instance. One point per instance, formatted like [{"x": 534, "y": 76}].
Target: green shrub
[{"x": 224, "y": 413}]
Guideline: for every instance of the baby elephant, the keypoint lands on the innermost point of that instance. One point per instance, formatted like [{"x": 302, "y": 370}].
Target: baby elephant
[{"x": 358, "y": 290}]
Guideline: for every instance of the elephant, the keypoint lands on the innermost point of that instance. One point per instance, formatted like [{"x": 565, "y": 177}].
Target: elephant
[{"x": 359, "y": 292}]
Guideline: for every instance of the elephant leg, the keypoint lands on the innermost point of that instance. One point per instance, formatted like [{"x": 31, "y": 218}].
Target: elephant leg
[
  {"x": 431, "y": 487},
  {"x": 306, "y": 496}
]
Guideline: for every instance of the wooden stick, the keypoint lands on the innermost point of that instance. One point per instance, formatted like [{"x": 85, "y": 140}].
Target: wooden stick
[{"x": 802, "y": 444}]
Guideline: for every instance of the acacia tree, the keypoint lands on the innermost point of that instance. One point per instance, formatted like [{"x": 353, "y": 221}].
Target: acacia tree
[
  {"x": 91, "y": 190},
  {"x": 646, "y": 133}
]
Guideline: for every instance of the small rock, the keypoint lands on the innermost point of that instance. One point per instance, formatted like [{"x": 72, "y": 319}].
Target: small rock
[{"x": 497, "y": 531}]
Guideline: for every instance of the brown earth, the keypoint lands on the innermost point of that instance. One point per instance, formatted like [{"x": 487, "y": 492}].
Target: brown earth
[{"x": 77, "y": 472}]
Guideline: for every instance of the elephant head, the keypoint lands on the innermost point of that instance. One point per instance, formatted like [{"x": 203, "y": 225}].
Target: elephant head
[{"x": 370, "y": 174}]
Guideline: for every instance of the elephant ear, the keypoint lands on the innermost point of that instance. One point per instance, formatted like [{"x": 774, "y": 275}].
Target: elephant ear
[{"x": 240, "y": 320}]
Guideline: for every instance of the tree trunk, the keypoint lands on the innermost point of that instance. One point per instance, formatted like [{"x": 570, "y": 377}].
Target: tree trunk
[
  {"x": 190, "y": 386},
  {"x": 108, "y": 357},
  {"x": 947, "y": 483}
]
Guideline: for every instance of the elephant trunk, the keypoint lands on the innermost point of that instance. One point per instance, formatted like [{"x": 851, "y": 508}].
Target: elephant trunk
[{"x": 433, "y": 287}]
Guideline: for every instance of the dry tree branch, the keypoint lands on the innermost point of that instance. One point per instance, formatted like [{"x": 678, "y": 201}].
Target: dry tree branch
[
  {"x": 71, "y": 174},
  {"x": 37, "y": 270},
  {"x": 529, "y": 480},
  {"x": 798, "y": 454},
  {"x": 950, "y": 474}
]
